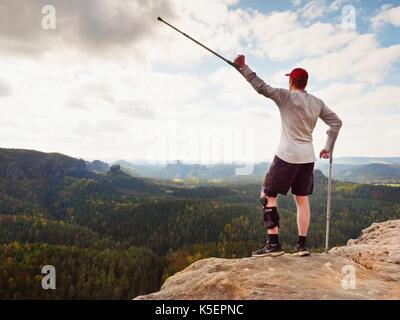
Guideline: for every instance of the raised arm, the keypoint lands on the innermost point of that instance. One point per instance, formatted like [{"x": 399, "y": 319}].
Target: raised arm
[
  {"x": 276, "y": 94},
  {"x": 334, "y": 123}
]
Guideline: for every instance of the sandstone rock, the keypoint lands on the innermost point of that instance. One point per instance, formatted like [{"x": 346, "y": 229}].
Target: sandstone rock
[
  {"x": 378, "y": 248},
  {"x": 374, "y": 257}
]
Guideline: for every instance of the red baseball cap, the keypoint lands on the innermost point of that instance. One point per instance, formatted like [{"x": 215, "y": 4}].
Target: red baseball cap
[{"x": 298, "y": 74}]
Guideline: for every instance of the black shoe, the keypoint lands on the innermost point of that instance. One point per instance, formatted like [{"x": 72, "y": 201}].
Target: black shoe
[
  {"x": 269, "y": 251},
  {"x": 300, "y": 250}
]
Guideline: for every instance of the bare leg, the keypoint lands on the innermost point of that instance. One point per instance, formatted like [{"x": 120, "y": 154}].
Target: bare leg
[
  {"x": 272, "y": 203},
  {"x": 303, "y": 214}
]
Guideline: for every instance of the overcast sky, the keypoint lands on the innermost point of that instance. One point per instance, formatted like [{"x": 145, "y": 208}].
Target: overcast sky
[{"x": 111, "y": 82}]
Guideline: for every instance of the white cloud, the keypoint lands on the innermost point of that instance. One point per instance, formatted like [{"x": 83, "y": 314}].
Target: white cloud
[
  {"x": 361, "y": 60},
  {"x": 267, "y": 28},
  {"x": 340, "y": 95},
  {"x": 137, "y": 109},
  {"x": 335, "y": 5},
  {"x": 321, "y": 38},
  {"x": 358, "y": 97},
  {"x": 5, "y": 89},
  {"x": 370, "y": 116},
  {"x": 234, "y": 91},
  {"x": 89, "y": 25},
  {"x": 388, "y": 15},
  {"x": 313, "y": 9},
  {"x": 296, "y": 3},
  {"x": 213, "y": 23},
  {"x": 88, "y": 102},
  {"x": 104, "y": 105}
]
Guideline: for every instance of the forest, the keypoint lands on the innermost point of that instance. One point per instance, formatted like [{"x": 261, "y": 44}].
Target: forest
[{"x": 111, "y": 235}]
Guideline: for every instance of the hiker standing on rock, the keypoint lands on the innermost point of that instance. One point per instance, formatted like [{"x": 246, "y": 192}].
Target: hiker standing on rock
[{"x": 293, "y": 164}]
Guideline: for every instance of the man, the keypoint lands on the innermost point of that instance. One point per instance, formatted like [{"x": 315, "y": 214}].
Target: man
[{"x": 293, "y": 164}]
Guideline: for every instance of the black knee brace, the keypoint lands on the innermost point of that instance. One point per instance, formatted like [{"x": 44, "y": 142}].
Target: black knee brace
[{"x": 271, "y": 217}]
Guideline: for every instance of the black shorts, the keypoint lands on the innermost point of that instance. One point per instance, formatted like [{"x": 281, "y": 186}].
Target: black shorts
[{"x": 283, "y": 176}]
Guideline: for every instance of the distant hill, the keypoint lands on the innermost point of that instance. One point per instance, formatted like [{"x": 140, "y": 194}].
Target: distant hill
[
  {"x": 38, "y": 180},
  {"x": 31, "y": 178},
  {"x": 20, "y": 163},
  {"x": 367, "y": 160},
  {"x": 181, "y": 170},
  {"x": 387, "y": 171},
  {"x": 97, "y": 166},
  {"x": 367, "y": 173}
]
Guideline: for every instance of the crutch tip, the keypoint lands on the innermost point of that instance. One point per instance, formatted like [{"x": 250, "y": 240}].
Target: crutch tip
[{"x": 159, "y": 19}]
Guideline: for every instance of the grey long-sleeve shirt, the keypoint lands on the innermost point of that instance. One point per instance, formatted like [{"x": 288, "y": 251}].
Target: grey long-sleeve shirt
[{"x": 299, "y": 114}]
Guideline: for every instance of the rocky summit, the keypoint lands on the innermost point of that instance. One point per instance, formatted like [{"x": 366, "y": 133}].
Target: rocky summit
[{"x": 366, "y": 268}]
